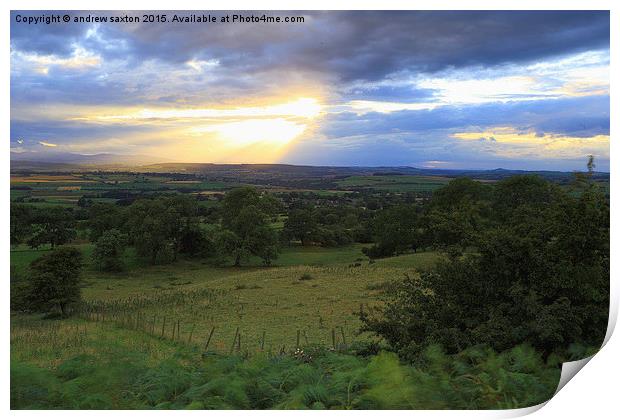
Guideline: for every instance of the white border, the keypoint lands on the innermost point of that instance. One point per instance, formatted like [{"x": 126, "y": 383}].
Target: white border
[{"x": 591, "y": 394}]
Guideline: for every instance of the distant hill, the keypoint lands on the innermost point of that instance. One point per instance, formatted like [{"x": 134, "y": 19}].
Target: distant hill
[
  {"x": 55, "y": 158},
  {"x": 270, "y": 174}
]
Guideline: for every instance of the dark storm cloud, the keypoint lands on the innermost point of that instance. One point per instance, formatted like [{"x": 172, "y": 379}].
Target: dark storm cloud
[
  {"x": 346, "y": 45},
  {"x": 45, "y": 39}
]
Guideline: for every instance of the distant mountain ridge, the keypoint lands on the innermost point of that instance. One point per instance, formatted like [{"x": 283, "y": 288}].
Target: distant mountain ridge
[
  {"x": 81, "y": 159},
  {"x": 271, "y": 173}
]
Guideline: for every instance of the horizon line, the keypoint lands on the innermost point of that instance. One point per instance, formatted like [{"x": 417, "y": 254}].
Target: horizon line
[{"x": 300, "y": 165}]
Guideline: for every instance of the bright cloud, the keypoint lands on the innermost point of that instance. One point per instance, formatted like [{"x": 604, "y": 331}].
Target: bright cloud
[
  {"x": 46, "y": 144},
  {"x": 302, "y": 107},
  {"x": 79, "y": 59},
  {"x": 508, "y": 142}
]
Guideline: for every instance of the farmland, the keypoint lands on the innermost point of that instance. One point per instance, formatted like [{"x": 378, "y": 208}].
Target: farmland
[
  {"x": 395, "y": 183},
  {"x": 220, "y": 275}
]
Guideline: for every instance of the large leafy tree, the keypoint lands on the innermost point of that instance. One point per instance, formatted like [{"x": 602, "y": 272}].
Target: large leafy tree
[
  {"x": 103, "y": 217},
  {"x": 456, "y": 214},
  {"x": 246, "y": 230},
  {"x": 395, "y": 230},
  {"x": 54, "y": 226},
  {"x": 109, "y": 250},
  {"x": 238, "y": 199},
  {"x": 159, "y": 228},
  {"x": 54, "y": 281},
  {"x": 301, "y": 225}
]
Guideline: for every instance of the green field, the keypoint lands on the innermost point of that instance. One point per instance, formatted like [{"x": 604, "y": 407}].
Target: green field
[
  {"x": 395, "y": 183},
  {"x": 310, "y": 289}
]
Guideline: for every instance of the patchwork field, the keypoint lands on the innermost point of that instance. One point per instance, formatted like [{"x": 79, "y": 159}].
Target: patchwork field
[{"x": 66, "y": 190}]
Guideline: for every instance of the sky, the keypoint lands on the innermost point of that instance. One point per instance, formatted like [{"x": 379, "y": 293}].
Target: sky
[{"x": 441, "y": 90}]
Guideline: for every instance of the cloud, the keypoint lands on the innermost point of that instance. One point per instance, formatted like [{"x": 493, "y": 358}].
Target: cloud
[
  {"x": 80, "y": 59},
  {"x": 301, "y": 107},
  {"x": 579, "y": 116},
  {"x": 358, "y": 45},
  {"x": 511, "y": 143},
  {"x": 45, "y": 144},
  {"x": 381, "y": 88}
]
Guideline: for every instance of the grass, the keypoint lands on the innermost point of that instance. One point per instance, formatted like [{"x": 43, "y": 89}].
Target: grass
[
  {"x": 74, "y": 364},
  {"x": 318, "y": 256},
  {"x": 395, "y": 183},
  {"x": 46, "y": 343},
  {"x": 258, "y": 300},
  {"x": 142, "y": 343},
  {"x": 273, "y": 301}
]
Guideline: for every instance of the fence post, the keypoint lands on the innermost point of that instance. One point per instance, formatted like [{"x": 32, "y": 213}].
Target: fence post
[
  {"x": 232, "y": 348},
  {"x": 209, "y": 339}
]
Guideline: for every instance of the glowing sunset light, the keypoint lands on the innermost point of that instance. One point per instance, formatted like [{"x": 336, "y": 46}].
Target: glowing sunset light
[
  {"x": 274, "y": 131},
  {"x": 302, "y": 108}
]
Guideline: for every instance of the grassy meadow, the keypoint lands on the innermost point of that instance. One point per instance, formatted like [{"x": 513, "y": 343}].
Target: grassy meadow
[
  {"x": 281, "y": 338},
  {"x": 312, "y": 290}
]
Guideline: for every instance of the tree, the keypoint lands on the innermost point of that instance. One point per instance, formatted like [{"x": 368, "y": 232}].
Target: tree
[
  {"x": 181, "y": 218},
  {"x": 103, "y": 217},
  {"x": 159, "y": 228},
  {"x": 228, "y": 243},
  {"x": 300, "y": 224},
  {"x": 263, "y": 243},
  {"x": 21, "y": 228},
  {"x": 85, "y": 202},
  {"x": 148, "y": 231},
  {"x": 196, "y": 242},
  {"x": 456, "y": 214},
  {"x": 395, "y": 230},
  {"x": 246, "y": 230},
  {"x": 54, "y": 226},
  {"x": 510, "y": 194},
  {"x": 109, "y": 250},
  {"x": 539, "y": 276},
  {"x": 459, "y": 191},
  {"x": 54, "y": 281}
]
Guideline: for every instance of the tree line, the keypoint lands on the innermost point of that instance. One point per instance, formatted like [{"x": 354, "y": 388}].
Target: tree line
[{"x": 529, "y": 263}]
